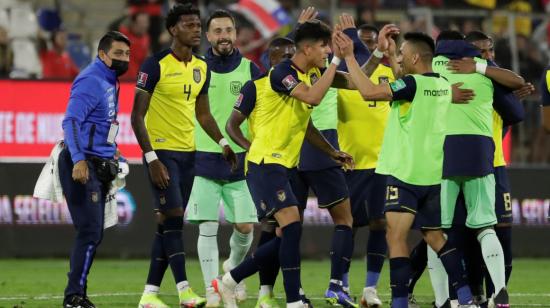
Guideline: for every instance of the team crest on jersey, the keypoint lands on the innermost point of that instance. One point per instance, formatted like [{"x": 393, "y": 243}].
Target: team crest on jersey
[
  {"x": 239, "y": 100},
  {"x": 383, "y": 79},
  {"x": 281, "y": 195},
  {"x": 313, "y": 77},
  {"x": 235, "y": 87},
  {"x": 95, "y": 196},
  {"x": 142, "y": 79},
  {"x": 289, "y": 82},
  {"x": 197, "y": 75}
]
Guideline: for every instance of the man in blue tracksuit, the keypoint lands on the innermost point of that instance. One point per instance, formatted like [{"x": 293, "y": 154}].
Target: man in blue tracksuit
[{"x": 87, "y": 165}]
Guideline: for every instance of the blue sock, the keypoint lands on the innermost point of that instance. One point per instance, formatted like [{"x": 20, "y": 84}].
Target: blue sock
[
  {"x": 289, "y": 258},
  {"x": 268, "y": 272},
  {"x": 504, "y": 235},
  {"x": 172, "y": 240},
  {"x": 159, "y": 262},
  {"x": 474, "y": 262},
  {"x": 263, "y": 257},
  {"x": 340, "y": 254},
  {"x": 452, "y": 262},
  {"x": 400, "y": 272},
  {"x": 376, "y": 253},
  {"x": 419, "y": 260},
  {"x": 345, "y": 279}
]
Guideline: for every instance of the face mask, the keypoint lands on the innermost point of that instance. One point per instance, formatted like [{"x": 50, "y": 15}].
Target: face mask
[{"x": 120, "y": 67}]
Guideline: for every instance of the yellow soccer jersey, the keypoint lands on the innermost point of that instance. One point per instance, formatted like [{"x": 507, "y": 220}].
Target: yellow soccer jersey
[
  {"x": 174, "y": 87},
  {"x": 361, "y": 123},
  {"x": 497, "y": 138},
  {"x": 281, "y": 120},
  {"x": 248, "y": 99}
]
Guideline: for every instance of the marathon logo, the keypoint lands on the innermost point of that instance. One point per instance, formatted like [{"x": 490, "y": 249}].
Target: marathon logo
[{"x": 440, "y": 92}]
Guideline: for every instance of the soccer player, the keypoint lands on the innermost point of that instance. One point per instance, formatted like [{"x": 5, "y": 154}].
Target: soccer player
[
  {"x": 279, "y": 49},
  {"x": 90, "y": 118},
  {"x": 172, "y": 89},
  {"x": 469, "y": 156},
  {"x": 367, "y": 188},
  {"x": 214, "y": 180},
  {"x": 545, "y": 92},
  {"x": 283, "y": 120},
  {"x": 412, "y": 156}
]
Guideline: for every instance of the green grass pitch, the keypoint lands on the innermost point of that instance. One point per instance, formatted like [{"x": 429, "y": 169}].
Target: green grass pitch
[{"x": 118, "y": 283}]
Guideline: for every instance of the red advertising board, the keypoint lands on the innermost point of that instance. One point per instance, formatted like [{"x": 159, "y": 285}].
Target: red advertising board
[{"x": 30, "y": 119}]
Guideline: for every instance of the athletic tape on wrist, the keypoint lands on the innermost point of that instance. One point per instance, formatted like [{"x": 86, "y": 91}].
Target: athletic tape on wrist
[{"x": 150, "y": 156}]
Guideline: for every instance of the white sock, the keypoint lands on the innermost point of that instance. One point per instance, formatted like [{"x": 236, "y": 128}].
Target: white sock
[
  {"x": 240, "y": 244},
  {"x": 438, "y": 278},
  {"x": 207, "y": 248},
  {"x": 301, "y": 291},
  {"x": 493, "y": 257},
  {"x": 151, "y": 289},
  {"x": 228, "y": 280},
  {"x": 182, "y": 286},
  {"x": 338, "y": 282},
  {"x": 295, "y": 304},
  {"x": 265, "y": 290}
]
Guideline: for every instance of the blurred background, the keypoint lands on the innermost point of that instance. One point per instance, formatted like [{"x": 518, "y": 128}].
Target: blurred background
[{"x": 45, "y": 43}]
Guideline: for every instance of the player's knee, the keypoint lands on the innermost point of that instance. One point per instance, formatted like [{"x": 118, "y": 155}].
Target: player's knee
[
  {"x": 176, "y": 212},
  {"x": 394, "y": 236},
  {"x": 434, "y": 238},
  {"x": 377, "y": 224},
  {"x": 503, "y": 225},
  {"x": 268, "y": 225},
  {"x": 244, "y": 228}
]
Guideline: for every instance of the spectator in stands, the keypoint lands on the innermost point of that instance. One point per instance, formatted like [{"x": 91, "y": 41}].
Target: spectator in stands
[
  {"x": 137, "y": 32},
  {"x": 56, "y": 62},
  {"x": 6, "y": 54},
  {"x": 153, "y": 8}
]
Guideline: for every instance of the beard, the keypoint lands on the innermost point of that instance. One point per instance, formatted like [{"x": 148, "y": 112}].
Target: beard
[{"x": 224, "y": 50}]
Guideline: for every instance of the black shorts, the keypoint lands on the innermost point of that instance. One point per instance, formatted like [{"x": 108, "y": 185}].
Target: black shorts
[
  {"x": 329, "y": 185},
  {"x": 181, "y": 169},
  {"x": 269, "y": 186},
  {"x": 367, "y": 195},
  {"x": 503, "y": 200},
  {"x": 422, "y": 201}
]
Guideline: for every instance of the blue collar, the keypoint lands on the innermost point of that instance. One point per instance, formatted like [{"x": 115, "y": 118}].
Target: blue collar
[
  {"x": 223, "y": 64},
  {"x": 109, "y": 74},
  {"x": 456, "y": 49}
]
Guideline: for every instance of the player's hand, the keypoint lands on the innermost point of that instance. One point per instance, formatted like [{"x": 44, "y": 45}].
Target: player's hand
[
  {"x": 307, "y": 14},
  {"x": 461, "y": 96},
  {"x": 344, "y": 43},
  {"x": 80, "y": 172},
  {"x": 230, "y": 157},
  {"x": 159, "y": 174},
  {"x": 386, "y": 33},
  {"x": 462, "y": 66},
  {"x": 343, "y": 159},
  {"x": 392, "y": 48},
  {"x": 524, "y": 91},
  {"x": 346, "y": 22}
]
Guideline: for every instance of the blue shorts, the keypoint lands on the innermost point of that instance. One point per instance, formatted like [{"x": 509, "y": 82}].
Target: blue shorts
[
  {"x": 367, "y": 195},
  {"x": 269, "y": 186},
  {"x": 181, "y": 169},
  {"x": 422, "y": 201},
  {"x": 503, "y": 201},
  {"x": 329, "y": 185}
]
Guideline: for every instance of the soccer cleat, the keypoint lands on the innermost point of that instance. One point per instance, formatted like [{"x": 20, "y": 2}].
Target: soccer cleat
[
  {"x": 499, "y": 300},
  {"x": 226, "y": 292},
  {"x": 339, "y": 298},
  {"x": 480, "y": 299},
  {"x": 212, "y": 298},
  {"x": 77, "y": 301},
  {"x": 412, "y": 302},
  {"x": 151, "y": 301},
  {"x": 267, "y": 301},
  {"x": 370, "y": 298},
  {"x": 306, "y": 301},
  {"x": 468, "y": 306},
  {"x": 189, "y": 299}
]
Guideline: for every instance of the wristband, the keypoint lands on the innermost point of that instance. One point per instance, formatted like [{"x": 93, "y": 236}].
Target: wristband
[
  {"x": 481, "y": 68},
  {"x": 336, "y": 61},
  {"x": 150, "y": 156},
  {"x": 223, "y": 142},
  {"x": 378, "y": 54}
]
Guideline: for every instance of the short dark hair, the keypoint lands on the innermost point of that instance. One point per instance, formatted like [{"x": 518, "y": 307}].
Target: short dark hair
[
  {"x": 219, "y": 14},
  {"x": 421, "y": 39},
  {"x": 312, "y": 30},
  {"x": 367, "y": 27},
  {"x": 107, "y": 40},
  {"x": 450, "y": 35},
  {"x": 475, "y": 36},
  {"x": 280, "y": 42},
  {"x": 179, "y": 10}
]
